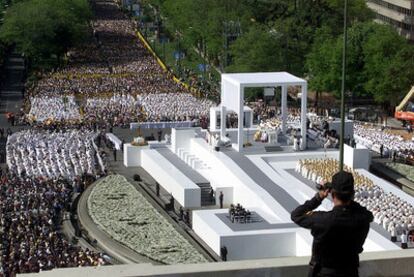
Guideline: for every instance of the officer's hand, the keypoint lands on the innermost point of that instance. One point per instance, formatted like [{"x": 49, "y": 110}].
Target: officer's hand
[{"x": 323, "y": 193}]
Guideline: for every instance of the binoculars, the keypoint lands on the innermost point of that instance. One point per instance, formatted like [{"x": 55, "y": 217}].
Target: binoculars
[{"x": 326, "y": 186}]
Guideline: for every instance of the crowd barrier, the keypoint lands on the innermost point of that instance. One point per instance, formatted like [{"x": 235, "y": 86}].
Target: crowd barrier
[
  {"x": 149, "y": 48},
  {"x": 161, "y": 125},
  {"x": 163, "y": 65},
  {"x": 115, "y": 140},
  {"x": 100, "y": 161}
]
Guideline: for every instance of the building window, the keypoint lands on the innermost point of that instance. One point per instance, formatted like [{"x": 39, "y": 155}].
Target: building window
[
  {"x": 393, "y": 22},
  {"x": 392, "y": 7}
]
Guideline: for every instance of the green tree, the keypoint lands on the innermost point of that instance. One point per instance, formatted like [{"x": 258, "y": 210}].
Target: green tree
[
  {"x": 43, "y": 28},
  {"x": 389, "y": 63},
  {"x": 258, "y": 50},
  {"x": 201, "y": 25},
  {"x": 319, "y": 63},
  {"x": 379, "y": 63}
]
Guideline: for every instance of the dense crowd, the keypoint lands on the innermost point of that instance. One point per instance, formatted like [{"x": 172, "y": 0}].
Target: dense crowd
[
  {"x": 118, "y": 77},
  {"x": 117, "y": 110},
  {"x": 378, "y": 138},
  {"x": 53, "y": 108},
  {"x": 111, "y": 80},
  {"x": 31, "y": 241},
  {"x": 181, "y": 107},
  {"x": 68, "y": 154},
  {"x": 262, "y": 111},
  {"x": 390, "y": 211}
]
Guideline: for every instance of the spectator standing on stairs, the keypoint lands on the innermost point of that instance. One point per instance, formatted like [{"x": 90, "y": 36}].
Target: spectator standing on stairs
[
  {"x": 187, "y": 217},
  {"x": 157, "y": 189},
  {"x": 211, "y": 195},
  {"x": 221, "y": 198},
  {"x": 181, "y": 213},
  {"x": 404, "y": 240},
  {"x": 159, "y": 135},
  {"x": 223, "y": 253}
]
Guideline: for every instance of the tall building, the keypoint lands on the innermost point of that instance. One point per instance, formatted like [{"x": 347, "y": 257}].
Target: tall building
[{"x": 397, "y": 13}]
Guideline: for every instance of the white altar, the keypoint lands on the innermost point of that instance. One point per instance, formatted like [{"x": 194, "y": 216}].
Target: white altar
[{"x": 232, "y": 99}]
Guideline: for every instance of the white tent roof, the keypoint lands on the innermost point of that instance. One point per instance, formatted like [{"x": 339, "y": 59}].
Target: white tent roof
[{"x": 263, "y": 79}]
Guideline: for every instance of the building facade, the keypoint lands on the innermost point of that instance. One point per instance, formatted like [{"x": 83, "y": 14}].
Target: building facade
[{"x": 397, "y": 13}]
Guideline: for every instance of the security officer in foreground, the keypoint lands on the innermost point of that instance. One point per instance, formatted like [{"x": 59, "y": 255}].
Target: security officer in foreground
[{"x": 338, "y": 234}]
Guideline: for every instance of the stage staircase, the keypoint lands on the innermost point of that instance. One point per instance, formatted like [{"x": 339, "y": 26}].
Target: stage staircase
[
  {"x": 197, "y": 164},
  {"x": 191, "y": 160},
  {"x": 189, "y": 164}
]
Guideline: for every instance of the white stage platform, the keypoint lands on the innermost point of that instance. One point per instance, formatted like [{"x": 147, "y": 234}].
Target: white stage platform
[
  {"x": 168, "y": 175},
  {"x": 275, "y": 240},
  {"x": 266, "y": 184}
]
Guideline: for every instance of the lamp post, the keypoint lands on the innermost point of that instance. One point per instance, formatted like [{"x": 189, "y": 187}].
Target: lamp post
[
  {"x": 179, "y": 55},
  {"x": 341, "y": 141},
  {"x": 163, "y": 48}
]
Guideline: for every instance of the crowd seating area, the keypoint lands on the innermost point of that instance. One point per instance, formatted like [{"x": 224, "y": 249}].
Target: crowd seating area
[
  {"x": 31, "y": 241},
  {"x": 373, "y": 137},
  {"x": 58, "y": 108},
  {"x": 119, "y": 77},
  {"x": 36, "y": 153},
  {"x": 181, "y": 107},
  {"x": 109, "y": 109},
  {"x": 391, "y": 212},
  {"x": 111, "y": 80}
]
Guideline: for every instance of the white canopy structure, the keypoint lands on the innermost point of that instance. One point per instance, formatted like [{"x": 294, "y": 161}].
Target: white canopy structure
[{"x": 232, "y": 98}]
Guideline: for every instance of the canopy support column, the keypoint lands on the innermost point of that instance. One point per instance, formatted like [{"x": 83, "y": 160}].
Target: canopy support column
[
  {"x": 223, "y": 117},
  {"x": 304, "y": 104},
  {"x": 284, "y": 108}
]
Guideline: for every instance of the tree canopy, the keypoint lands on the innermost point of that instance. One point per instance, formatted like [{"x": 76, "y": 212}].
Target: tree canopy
[
  {"x": 257, "y": 51},
  {"x": 379, "y": 62},
  {"x": 41, "y": 28},
  {"x": 299, "y": 36}
]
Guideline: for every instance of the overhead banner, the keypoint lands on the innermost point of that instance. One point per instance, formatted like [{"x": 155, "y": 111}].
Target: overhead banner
[{"x": 162, "y": 125}]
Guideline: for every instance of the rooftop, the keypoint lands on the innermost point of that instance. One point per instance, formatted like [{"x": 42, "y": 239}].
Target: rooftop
[{"x": 263, "y": 79}]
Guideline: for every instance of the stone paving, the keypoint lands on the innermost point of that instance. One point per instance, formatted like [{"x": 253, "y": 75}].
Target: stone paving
[{"x": 123, "y": 212}]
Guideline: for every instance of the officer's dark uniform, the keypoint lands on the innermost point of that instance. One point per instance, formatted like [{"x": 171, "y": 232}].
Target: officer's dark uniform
[{"x": 338, "y": 234}]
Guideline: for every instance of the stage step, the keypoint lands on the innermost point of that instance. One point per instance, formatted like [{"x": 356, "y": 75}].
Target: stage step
[{"x": 273, "y": 148}]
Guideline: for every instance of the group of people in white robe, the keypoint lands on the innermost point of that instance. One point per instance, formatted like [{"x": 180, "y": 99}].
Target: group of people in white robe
[
  {"x": 53, "y": 107},
  {"x": 38, "y": 153},
  {"x": 390, "y": 211},
  {"x": 373, "y": 137},
  {"x": 114, "y": 71},
  {"x": 173, "y": 106}
]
